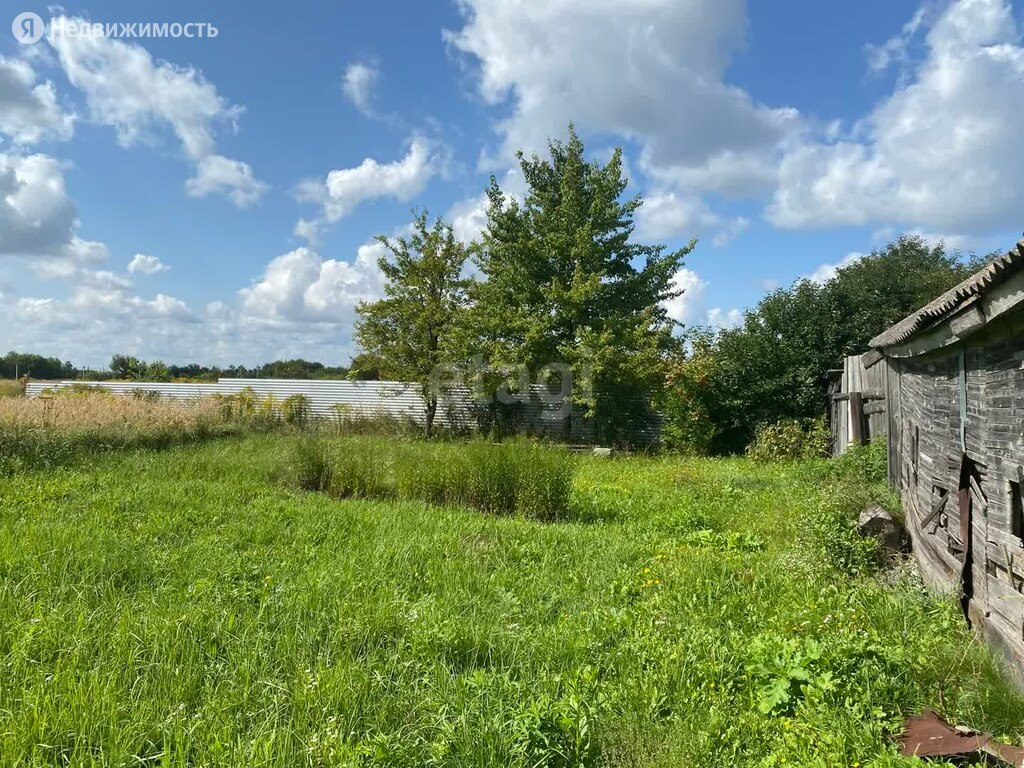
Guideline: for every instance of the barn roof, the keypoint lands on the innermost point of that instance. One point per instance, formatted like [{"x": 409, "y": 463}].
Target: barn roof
[{"x": 982, "y": 281}]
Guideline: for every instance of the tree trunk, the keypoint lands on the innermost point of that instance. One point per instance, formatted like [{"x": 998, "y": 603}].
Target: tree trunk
[{"x": 428, "y": 426}]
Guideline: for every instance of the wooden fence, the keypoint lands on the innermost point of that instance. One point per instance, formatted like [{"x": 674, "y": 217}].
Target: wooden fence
[{"x": 857, "y": 408}]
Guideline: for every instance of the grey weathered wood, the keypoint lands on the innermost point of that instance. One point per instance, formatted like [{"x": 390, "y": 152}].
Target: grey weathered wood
[
  {"x": 856, "y": 418},
  {"x": 860, "y": 374},
  {"x": 871, "y": 358},
  {"x": 938, "y": 507},
  {"x": 922, "y": 409}
]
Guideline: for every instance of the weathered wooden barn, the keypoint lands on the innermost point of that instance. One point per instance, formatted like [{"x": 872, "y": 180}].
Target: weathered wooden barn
[{"x": 954, "y": 398}]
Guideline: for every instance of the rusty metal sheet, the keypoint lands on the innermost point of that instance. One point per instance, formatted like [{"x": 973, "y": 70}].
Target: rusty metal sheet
[{"x": 929, "y": 736}]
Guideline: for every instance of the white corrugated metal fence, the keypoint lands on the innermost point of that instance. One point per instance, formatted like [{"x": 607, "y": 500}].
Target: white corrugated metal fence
[{"x": 538, "y": 411}]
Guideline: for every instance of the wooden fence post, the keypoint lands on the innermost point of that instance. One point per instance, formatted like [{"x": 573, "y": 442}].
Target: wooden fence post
[{"x": 856, "y": 418}]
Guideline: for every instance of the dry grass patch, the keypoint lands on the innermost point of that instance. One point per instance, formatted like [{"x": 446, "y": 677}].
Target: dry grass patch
[
  {"x": 41, "y": 433},
  {"x": 102, "y": 410}
]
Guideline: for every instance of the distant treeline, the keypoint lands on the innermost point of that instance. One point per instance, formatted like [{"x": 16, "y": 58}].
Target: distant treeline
[{"x": 129, "y": 368}]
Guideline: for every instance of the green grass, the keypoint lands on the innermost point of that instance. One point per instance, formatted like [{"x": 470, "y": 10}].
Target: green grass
[
  {"x": 516, "y": 477},
  {"x": 188, "y": 607},
  {"x": 11, "y": 388}
]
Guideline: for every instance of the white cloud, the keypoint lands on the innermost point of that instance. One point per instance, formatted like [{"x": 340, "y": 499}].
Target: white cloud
[
  {"x": 826, "y": 272},
  {"x": 468, "y": 218},
  {"x": 29, "y": 111},
  {"x": 344, "y": 189},
  {"x": 667, "y": 214},
  {"x": 85, "y": 251},
  {"x": 126, "y": 89},
  {"x": 648, "y": 70},
  {"x": 894, "y": 50},
  {"x": 402, "y": 180},
  {"x": 216, "y": 173},
  {"x": 38, "y": 223},
  {"x": 96, "y": 321},
  {"x": 688, "y": 306},
  {"x": 74, "y": 262},
  {"x": 37, "y": 218},
  {"x": 101, "y": 313},
  {"x": 358, "y": 83},
  {"x": 943, "y": 152},
  {"x": 721, "y": 318},
  {"x": 301, "y": 286},
  {"x": 145, "y": 264},
  {"x": 308, "y": 229}
]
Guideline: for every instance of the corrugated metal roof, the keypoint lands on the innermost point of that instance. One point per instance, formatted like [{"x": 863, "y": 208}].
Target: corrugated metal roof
[{"x": 991, "y": 275}]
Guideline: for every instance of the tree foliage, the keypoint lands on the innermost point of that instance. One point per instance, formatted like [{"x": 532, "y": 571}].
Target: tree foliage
[
  {"x": 563, "y": 282},
  {"x": 127, "y": 368},
  {"x": 410, "y": 330},
  {"x": 774, "y": 366},
  {"x": 21, "y": 364}
]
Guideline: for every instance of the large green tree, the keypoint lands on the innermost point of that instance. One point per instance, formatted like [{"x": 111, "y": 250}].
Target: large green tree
[
  {"x": 410, "y": 330},
  {"x": 564, "y": 283},
  {"x": 775, "y": 364}
]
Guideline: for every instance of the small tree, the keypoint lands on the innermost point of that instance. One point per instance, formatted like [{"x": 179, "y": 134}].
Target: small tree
[
  {"x": 127, "y": 368},
  {"x": 409, "y": 331},
  {"x": 157, "y": 371}
]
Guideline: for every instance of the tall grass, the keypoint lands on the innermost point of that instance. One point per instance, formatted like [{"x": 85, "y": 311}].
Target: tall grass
[
  {"x": 511, "y": 478},
  {"x": 42, "y": 433},
  {"x": 182, "y": 608},
  {"x": 11, "y": 388}
]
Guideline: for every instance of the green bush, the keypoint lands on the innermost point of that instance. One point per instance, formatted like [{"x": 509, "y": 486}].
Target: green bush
[
  {"x": 691, "y": 399},
  {"x": 790, "y": 439}
]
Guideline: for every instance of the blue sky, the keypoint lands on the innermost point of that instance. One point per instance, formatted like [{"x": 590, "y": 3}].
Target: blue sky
[{"x": 215, "y": 199}]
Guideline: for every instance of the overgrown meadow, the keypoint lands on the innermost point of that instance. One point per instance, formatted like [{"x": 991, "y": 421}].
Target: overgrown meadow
[{"x": 293, "y": 599}]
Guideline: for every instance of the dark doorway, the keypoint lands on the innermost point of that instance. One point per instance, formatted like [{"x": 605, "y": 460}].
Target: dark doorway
[{"x": 970, "y": 488}]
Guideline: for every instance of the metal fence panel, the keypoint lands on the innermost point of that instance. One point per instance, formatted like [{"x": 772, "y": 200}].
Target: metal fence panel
[{"x": 538, "y": 412}]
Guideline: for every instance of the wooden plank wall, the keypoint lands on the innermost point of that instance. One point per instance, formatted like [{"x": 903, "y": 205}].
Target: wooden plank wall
[
  {"x": 858, "y": 407},
  {"x": 925, "y": 464}
]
